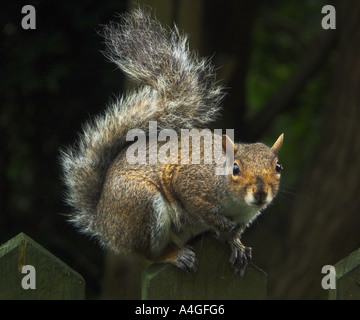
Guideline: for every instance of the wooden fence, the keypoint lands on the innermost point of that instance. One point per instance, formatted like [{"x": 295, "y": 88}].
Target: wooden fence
[{"x": 28, "y": 271}]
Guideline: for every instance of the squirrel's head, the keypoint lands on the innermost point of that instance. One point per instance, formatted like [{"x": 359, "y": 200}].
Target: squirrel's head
[{"x": 256, "y": 173}]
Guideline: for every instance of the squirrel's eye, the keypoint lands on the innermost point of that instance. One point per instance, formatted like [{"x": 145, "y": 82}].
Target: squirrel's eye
[
  {"x": 236, "y": 170},
  {"x": 278, "y": 167}
]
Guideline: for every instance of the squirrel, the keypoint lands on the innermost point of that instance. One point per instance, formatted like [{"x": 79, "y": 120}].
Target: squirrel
[{"x": 155, "y": 209}]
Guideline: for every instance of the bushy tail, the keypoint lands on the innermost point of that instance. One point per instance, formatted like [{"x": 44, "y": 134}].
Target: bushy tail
[{"x": 179, "y": 91}]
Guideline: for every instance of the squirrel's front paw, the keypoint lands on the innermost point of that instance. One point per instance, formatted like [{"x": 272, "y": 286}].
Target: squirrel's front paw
[
  {"x": 240, "y": 257},
  {"x": 186, "y": 259},
  {"x": 226, "y": 225}
]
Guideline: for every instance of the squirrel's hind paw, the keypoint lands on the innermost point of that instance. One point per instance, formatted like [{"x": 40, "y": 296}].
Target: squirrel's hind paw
[{"x": 186, "y": 259}]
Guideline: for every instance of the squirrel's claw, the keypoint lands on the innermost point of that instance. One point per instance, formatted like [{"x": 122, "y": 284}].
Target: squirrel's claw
[
  {"x": 226, "y": 225},
  {"x": 186, "y": 259},
  {"x": 240, "y": 257}
]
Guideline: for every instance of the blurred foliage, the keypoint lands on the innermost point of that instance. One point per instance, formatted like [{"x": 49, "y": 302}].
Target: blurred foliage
[
  {"x": 55, "y": 77},
  {"x": 283, "y": 34}
]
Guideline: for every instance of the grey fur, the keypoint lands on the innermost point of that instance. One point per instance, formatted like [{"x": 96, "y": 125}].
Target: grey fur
[{"x": 179, "y": 91}]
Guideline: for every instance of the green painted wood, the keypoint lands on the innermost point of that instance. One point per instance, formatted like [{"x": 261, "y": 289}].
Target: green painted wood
[
  {"x": 347, "y": 278},
  {"x": 54, "y": 279},
  {"x": 214, "y": 279}
]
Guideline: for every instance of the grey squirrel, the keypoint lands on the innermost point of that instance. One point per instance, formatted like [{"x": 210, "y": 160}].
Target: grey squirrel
[{"x": 155, "y": 209}]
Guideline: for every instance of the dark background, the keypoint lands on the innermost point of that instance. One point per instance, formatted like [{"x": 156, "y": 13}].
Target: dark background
[{"x": 283, "y": 73}]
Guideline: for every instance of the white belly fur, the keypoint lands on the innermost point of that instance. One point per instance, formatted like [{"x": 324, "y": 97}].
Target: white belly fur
[{"x": 168, "y": 215}]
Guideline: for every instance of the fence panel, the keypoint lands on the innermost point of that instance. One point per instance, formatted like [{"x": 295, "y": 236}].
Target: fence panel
[
  {"x": 28, "y": 271},
  {"x": 347, "y": 278},
  {"x": 213, "y": 280}
]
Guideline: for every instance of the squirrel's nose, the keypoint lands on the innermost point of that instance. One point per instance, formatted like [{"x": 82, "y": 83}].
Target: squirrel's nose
[{"x": 260, "y": 196}]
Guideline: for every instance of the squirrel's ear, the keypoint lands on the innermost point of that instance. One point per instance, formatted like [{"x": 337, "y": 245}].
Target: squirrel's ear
[
  {"x": 231, "y": 143},
  {"x": 278, "y": 143}
]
